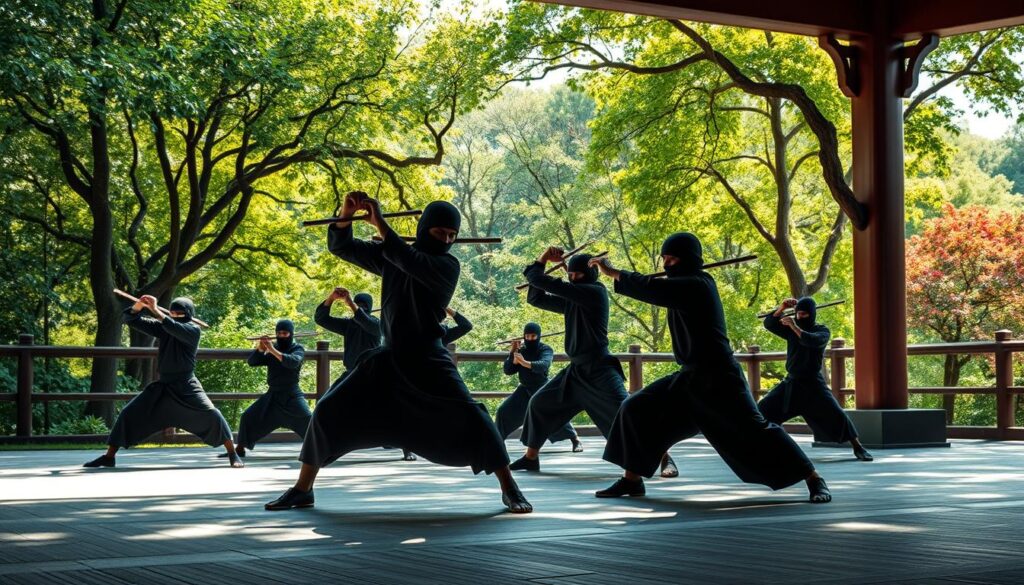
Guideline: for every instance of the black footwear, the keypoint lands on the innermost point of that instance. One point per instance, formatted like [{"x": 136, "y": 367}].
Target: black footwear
[
  {"x": 525, "y": 464},
  {"x": 668, "y": 467},
  {"x": 516, "y": 502},
  {"x": 623, "y": 487},
  {"x": 234, "y": 459},
  {"x": 292, "y": 498},
  {"x": 408, "y": 456},
  {"x": 818, "y": 489},
  {"x": 577, "y": 446},
  {"x": 101, "y": 461},
  {"x": 863, "y": 454}
]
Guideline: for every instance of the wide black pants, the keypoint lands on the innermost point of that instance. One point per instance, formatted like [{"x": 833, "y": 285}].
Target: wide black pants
[
  {"x": 162, "y": 405},
  {"x": 811, "y": 399},
  {"x": 595, "y": 387},
  {"x": 279, "y": 407},
  {"x": 416, "y": 401},
  {"x": 715, "y": 402},
  {"x": 512, "y": 413}
]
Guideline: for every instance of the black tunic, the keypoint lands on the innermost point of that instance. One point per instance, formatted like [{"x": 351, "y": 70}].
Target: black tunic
[
  {"x": 461, "y": 328},
  {"x": 709, "y": 394},
  {"x": 512, "y": 411},
  {"x": 283, "y": 405},
  {"x": 804, "y": 392},
  {"x": 593, "y": 381},
  {"x": 361, "y": 331},
  {"x": 407, "y": 393},
  {"x": 177, "y": 398}
]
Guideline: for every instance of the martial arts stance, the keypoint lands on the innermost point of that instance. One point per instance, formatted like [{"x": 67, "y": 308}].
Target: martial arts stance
[
  {"x": 531, "y": 361},
  {"x": 408, "y": 392},
  {"x": 593, "y": 379},
  {"x": 177, "y": 399},
  {"x": 804, "y": 391},
  {"x": 283, "y": 405},
  {"x": 709, "y": 393}
]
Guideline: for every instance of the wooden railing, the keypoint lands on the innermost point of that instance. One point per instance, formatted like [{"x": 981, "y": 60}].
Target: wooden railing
[{"x": 1002, "y": 348}]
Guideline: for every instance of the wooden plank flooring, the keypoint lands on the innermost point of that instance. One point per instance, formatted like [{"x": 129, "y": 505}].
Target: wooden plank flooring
[{"x": 182, "y": 516}]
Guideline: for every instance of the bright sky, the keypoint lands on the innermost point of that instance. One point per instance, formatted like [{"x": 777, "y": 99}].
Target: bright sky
[{"x": 992, "y": 126}]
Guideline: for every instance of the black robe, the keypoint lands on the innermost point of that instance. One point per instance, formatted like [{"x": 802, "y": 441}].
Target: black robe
[
  {"x": 283, "y": 405},
  {"x": 512, "y": 411},
  {"x": 177, "y": 398},
  {"x": 804, "y": 392},
  {"x": 407, "y": 393},
  {"x": 361, "y": 332},
  {"x": 593, "y": 380},
  {"x": 709, "y": 394}
]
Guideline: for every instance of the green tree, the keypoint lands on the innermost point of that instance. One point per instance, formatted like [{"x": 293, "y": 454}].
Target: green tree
[{"x": 177, "y": 115}]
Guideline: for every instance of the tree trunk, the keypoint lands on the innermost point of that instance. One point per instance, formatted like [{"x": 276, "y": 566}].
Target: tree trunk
[
  {"x": 104, "y": 370},
  {"x": 139, "y": 368},
  {"x": 950, "y": 377}
]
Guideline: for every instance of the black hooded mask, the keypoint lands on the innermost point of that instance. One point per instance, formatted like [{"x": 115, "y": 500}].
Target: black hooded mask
[
  {"x": 438, "y": 214},
  {"x": 806, "y": 304},
  {"x": 185, "y": 305},
  {"x": 686, "y": 247},
  {"x": 285, "y": 325},
  {"x": 363, "y": 300},
  {"x": 578, "y": 263},
  {"x": 531, "y": 328}
]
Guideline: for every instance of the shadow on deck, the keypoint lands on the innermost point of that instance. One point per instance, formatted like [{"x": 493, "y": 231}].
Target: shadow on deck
[{"x": 182, "y": 516}]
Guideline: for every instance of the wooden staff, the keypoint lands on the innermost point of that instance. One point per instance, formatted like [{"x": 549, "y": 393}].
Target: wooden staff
[
  {"x": 274, "y": 335},
  {"x": 357, "y": 217},
  {"x": 457, "y": 240},
  {"x": 729, "y": 262},
  {"x": 791, "y": 312},
  {"x": 561, "y": 264},
  {"x": 167, "y": 312},
  {"x": 511, "y": 339}
]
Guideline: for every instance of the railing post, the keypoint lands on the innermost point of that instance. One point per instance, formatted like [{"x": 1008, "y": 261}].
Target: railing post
[
  {"x": 323, "y": 368},
  {"x": 451, "y": 349},
  {"x": 754, "y": 371},
  {"x": 636, "y": 369},
  {"x": 837, "y": 370},
  {"x": 25, "y": 375},
  {"x": 1005, "y": 401},
  {"x": 154, "y": 371}
]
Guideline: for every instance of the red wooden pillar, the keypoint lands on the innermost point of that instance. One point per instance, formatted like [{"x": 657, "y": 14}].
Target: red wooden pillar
[
  {"x": 879, "y": 268},
  {"x": 875, "y": 72}
]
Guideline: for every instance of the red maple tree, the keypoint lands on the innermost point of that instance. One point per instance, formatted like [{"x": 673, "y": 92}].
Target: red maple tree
[{"x": 965, "y": 280}]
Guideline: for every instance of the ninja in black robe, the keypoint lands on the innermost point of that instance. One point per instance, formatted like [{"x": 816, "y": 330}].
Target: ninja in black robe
[
  {"x": 407, "y": 393},
  {"x": 593, "y": 380},
  {"x": 709, "y": 393},
  {"x": 283, "y": 405},
  {"x": 177, "y": 398},
  {"x": 512, "y": 411},
  {"x": 804, "y": 391},
  {"x": 361, "y": 331}
]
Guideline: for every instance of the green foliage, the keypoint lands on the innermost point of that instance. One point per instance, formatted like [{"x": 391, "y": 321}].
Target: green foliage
[{"x": 87, "y": 425}]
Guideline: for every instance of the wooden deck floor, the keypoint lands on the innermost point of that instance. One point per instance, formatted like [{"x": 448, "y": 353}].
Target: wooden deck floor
[{"x": 180, "y": 515}]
